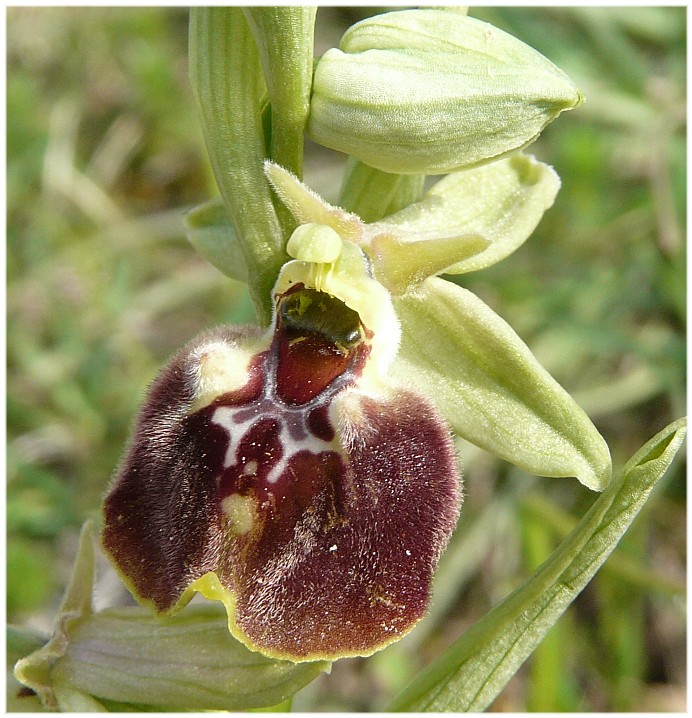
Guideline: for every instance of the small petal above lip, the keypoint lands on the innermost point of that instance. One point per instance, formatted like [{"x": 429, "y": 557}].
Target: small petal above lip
[{"x": 403, "y": 260}]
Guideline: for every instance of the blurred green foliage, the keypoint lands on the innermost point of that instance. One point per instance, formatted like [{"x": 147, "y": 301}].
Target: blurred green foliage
[{"x": 104, "y": 155}]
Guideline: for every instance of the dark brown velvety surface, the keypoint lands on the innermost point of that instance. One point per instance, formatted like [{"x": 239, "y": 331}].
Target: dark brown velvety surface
[{"x": 333, "y": 547}]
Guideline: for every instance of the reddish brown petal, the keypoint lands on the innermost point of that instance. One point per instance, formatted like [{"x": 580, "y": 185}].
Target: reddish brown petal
[
  {"x": 162, "y": 518},
  {"x": 345, "y": 561},
  {"x": 322, "y": 511}
]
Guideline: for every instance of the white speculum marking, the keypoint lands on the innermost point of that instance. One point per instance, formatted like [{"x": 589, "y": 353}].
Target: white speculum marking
[{"x": 295, "y": 436}]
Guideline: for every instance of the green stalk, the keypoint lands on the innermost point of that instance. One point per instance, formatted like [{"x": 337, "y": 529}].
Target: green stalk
[
  {"x": 285, "y": 38},
  {"x": 226, "y": 77},
  {"x": 373, "y": 194}
]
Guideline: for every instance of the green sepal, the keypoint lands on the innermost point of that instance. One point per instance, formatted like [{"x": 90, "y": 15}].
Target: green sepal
[
  {"x": 473, "y": 671},
  {"x": 187, "y": 662},
  {"x": 499, "y": 204},
  {"x": 211, "y": 233},
  {"x": 285, "y": 39},
  {"x": 490, "y": 387},
  {"x": 429, "y": 92}
]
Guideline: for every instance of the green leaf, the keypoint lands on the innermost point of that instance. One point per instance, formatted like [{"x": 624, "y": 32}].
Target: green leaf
[
  {"x": 622, "y": 567},
  {"x": 430, "y": 92},
  {"x": 211, "y": 233},
  {"x": 490, "y": 387},
  {"x": 285, "y": 38},
  {"x": 476, "y": 668},
  {"x": 187, "y": 661}
]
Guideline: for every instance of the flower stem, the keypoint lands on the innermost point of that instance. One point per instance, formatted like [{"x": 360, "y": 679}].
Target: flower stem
[
  {"x": 226, "y": 76},
  {"x": 372, "y": 194}
]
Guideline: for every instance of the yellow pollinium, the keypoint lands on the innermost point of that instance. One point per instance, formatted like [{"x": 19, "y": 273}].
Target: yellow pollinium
[{"x": 313, "y": 242}]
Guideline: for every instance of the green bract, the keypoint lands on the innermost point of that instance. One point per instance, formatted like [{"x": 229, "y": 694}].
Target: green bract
[
  {"x": 229, "y": 95},
  {"x": 429, "y": 91}
]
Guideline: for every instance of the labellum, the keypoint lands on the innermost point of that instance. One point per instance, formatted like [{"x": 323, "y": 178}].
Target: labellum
[{"x": 284, "y": 474}]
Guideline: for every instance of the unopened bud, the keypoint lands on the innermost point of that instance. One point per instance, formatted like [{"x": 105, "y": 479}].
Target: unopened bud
[{"x": 428, "y": 91}]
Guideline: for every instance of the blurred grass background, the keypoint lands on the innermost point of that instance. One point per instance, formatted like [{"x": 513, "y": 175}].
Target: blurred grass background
[{"x": 105, "y": 153}]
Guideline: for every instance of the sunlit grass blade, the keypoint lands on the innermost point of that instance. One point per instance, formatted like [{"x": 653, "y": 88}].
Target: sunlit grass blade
[{"x": 476, "y": 668}]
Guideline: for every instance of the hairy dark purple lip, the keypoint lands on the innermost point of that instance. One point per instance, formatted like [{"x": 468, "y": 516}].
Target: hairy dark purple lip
[{"x": 323, "y": 518}]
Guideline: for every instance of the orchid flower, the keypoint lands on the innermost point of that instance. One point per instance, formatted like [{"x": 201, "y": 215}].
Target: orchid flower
[
  {"x": 305, "y": 475},
  {"x": 283, "y": 473}
]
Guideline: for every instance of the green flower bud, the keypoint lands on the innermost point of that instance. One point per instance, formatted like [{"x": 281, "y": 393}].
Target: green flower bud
[{"x": 428, "y": 91}]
